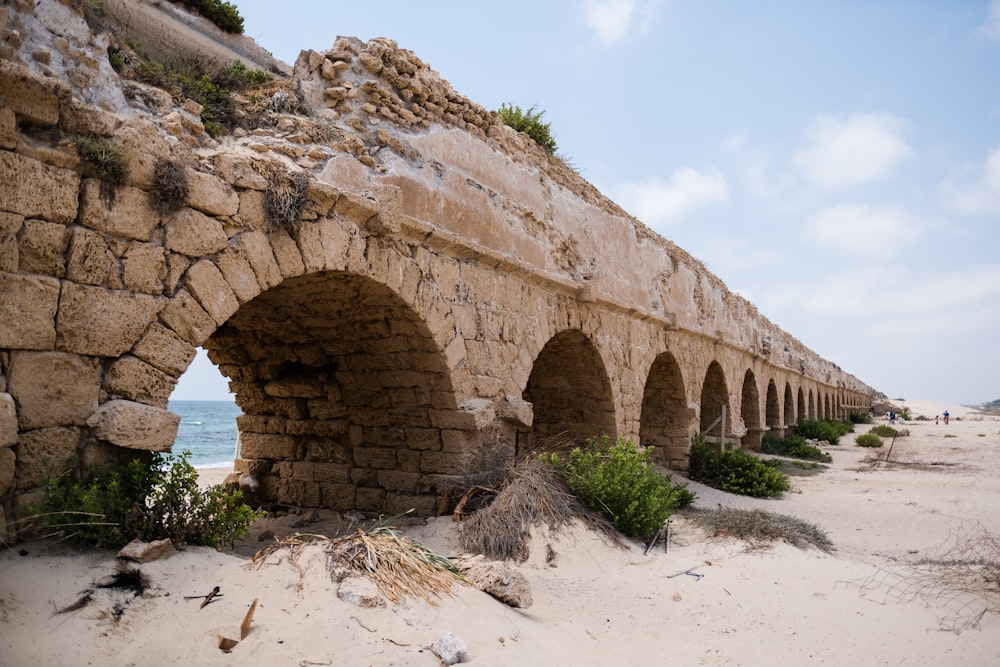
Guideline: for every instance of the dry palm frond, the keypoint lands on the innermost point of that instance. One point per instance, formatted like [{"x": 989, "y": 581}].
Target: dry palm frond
[
  {"x": 760, "y": 527},
  {"x": 534, "y": 495}
]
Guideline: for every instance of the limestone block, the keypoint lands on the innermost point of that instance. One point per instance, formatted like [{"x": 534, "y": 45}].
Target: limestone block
[
  {"x": 43, "y": 247},
  {"x": 380, "y": 458},
  {"x": 52, "y": 388},
  {"x": 28, "y": 312},
  {"x": 35, "y": 100},
  {"x": 210, "y": 288},
  {"x": 8, "y": 129},
  {"x": 238, "y": 172},
  {"x": 45, "y": 451},
  {"x": 194, "y": 234},
  {"x": 423, "y": 438},
  {"x": 211, "y": 195},
  {"x": 90, "y": 260},
  {"x": 145, "y": 267},
  {"x": 8, "y": 421},
  {"x": 361, "y": 592},
  {"x": 287, "y": 254},
  {"x": 359, "y": 208},
  {"x": 10, "y": 225},
  {"x": 253, "y": 209},
  {"x": 460, "y": 442},
  {"x": 272, "y": 446},
  {"x": 134, "y": 379},
  {"x": 295, "y": 388},
  {"x": 146, "y": 552},
  {"x": 389, "y": 198},
  {"x": 129, "y": 214},
  {"x": 442, "y": 462},
  {"x": 499, "y": 580},
  {"x": 103, "y": 323},
  {"x": 369, "y": 500},
  {"x": 473, "y": 415},
  {"x": 187, "y": 318},
  {"x": 517, "y": 411},
  {"x": 135, "y": 426},
  {"x": 396, "y": 480},
  {"x": 165, "y": 350},
  {"x": 8, "y": 464},
  {"x": 236, "y": 269},
  {"x": 261, "y": 257}
]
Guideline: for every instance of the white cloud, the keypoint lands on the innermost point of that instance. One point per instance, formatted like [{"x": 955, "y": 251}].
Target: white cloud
[
  {"x": 659, "y": 203},
  {"x": 614, "y": 20},
  {"x": 844, "y": 152},
  {"x": 863, "y": 229},
  {"x": 980, "y": 194},
  {"x": 991, "y": 27}
]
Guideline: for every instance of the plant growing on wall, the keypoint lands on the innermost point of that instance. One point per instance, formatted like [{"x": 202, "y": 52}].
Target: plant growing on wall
[
  {"x": 170, "y": 186},
  {"x": 529, "y": 122}
]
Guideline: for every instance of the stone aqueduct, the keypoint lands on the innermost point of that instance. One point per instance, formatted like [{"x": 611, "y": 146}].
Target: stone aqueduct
[{"x": 447, "y": 293}]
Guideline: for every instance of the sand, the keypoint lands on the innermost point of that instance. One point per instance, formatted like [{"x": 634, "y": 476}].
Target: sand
[{"x": 705, "y": 601}]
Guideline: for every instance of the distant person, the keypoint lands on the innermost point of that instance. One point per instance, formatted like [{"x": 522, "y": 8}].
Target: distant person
[
  {"x": 946, "y": 417},
  {"x": 936, "y": 417}
]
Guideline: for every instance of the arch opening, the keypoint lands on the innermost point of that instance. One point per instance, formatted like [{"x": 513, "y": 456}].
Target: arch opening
[
  {"x": 664, "y": 422},
  {"x": 750, "y": 411},
  {"x": 715, "y": 395},
  {"x": 772, "y": 410}
]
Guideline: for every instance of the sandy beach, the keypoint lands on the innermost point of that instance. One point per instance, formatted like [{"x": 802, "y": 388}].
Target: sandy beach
[{"x": 702, "y": 601}]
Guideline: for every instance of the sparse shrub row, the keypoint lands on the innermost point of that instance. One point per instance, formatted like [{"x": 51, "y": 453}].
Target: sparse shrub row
[
  {"x": 869, "y": 440},
  {"x": 147, "y": 500},
  {"x": 829, "y": 430},
  {"x": 735, "y": 471},
  {"x": 796, "y": 447},
  {"x": 858, "y": 418},
  {"x": 884, "y": 430},
  {"x": 221, "y": 13},
  {"x": 619, "y": 481}
]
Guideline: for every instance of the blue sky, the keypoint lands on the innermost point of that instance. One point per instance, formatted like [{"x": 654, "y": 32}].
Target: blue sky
[{"x": 836, "y": 163}]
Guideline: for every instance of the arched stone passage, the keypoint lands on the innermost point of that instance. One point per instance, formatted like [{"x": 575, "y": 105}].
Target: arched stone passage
[
  {"x": 570, "y": 391},
  {"x": 714, "y": 395},
  {"x": 347, "y": 401},
  {"x": 811, "y": 411},
  {"x": 801, "y": 412},
  {"x": 665, "y": 417},
  {"x": 750, "y": 411},
  {"x": 772, "y": 410},
  {"x": 789, "y": 409},
  {"x": 827, "y": 412}
]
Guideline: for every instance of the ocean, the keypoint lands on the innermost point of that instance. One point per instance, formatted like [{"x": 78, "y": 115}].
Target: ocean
[{"x": 208, "y": 430}]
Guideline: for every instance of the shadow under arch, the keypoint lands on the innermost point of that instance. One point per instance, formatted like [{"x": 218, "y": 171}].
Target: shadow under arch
[
  {"x": 347, "y": 399},
  {"x": 570, "y": 391},
  {"x": 789, "y": 409},
  {"x": 772, "y": 410},
  {"x": 750, "y": 411},
  {"x": 665, "y": 420},
  {"x": 715, "y": 395}
]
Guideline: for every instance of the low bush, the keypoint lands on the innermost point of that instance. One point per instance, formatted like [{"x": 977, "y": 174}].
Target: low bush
[
  {"x": 823, "y": 429},
  {"x": 170, "y": 186},
  {"x": 147, "y": 500},
  {"x": 759, "y": 527},
  {"x": 884, "y": 430},
  {"x": 869, "y": 440},
  {"x": 796, "y": 447},
  {"x": 107, "y": 157},
  {"x": 529, "y": 122},
  {"x": 223, "y": 14},
  {"x": 735, "y": 471},
  {"x": 858, "y": 418},
  {"x": 619, "y": 481}
]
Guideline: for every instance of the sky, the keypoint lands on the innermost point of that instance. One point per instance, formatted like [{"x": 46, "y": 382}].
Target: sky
[{"x": 836, "y": 163}]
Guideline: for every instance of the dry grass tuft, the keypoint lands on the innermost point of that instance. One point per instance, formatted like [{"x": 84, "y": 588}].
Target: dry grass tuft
[
  {"x": 760, "y": 527},
  {"x": 533, "y": 494},
  {"x": 170, "y": 186},
  {"x": 285, "y": 195}
]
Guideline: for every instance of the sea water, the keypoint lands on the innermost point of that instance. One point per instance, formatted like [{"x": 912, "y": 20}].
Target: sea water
[{"x": 208, "y": 431}]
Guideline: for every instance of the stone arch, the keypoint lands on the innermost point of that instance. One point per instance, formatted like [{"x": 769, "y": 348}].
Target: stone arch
[
  {"x": 789, "y": 407},
  {"x": 347, "y": 398},
  {"x": 772, "y": 409},
  {"x": 811, "y": 410},
  {"x": 801, "y": 412},
  {"x": 714, "y": 395},
  {"x": 827, "y": 412},
  {"x": 570, "y": 390},
  {"x": 665, "y": 418},
  {"x": 750, "y": 411}
]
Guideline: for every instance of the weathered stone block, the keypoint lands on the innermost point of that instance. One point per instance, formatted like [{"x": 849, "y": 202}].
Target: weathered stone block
[
  {"x": 129, "y": 214},
  {"x": 8, "y": 421},
  {"x": 460, "y": 442},
  {"x": 8, "y": 129},
  {"x": 395, "y": 480},
  {"x": 369, "y": 499},
  {"x": 258, "y": 252},
  {"x": 187, "y": 318},
  {"x": 474, "y": 414},
  {"x": 295, "y": 388},
  {"x": 52, "y": 388},
  {"x": 261, "y": 424},
  {"x": 10, "y": 225},
  {"x": 253, "y": 209},
  {"x": 44, "y": 451},
  {"x": 104, "y": 323},
  {"x": 266, "y": 446},
  {"x": 207, "y": 193},
  {"x": 239, "y": 173},
  {"x": 339, "y": 497},
  {"x": 90, "y": 260},
  {"x": 135, "y": 425},
  {"x": 423, "y": 438},
  {"x": 236, "y": 269},
  {"x": 165, "y": 350},
  {"x": 194, "y": 234},
  {"x": 381, "y": 458},
  {"x": 418, "y": 505},
  {"x": 518, "y": 411},
  {"x": 287, "y": 254},
  {"x": 28, "y": 312},
  {"x": 445, "y": 463},
  {"x": 43, "y": 248},
  {"x": 131, "y": 378},
  {"x": 35, "y": 100},
  {"x": 145, "y": 268},
  {"x": 8, "y": 466},
  {"x": 209, "y": 286}
]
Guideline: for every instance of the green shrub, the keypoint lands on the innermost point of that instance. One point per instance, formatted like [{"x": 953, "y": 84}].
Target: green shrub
[
  {"x": 148, "y": 501},
  {"x": 869, "y": 440},
  {"x": 106, "y": 156},
  {"x": 796, "y": 447},
  {"x": 858, "y": 418},
  {"x": 221, "y": 13},
  {"x": 529, "y": 122},
  {"x": 884, "y": 430},
  {"x": 735, "y": 471},
  {"x": 619, "y": 481},
  {"x": 823, "y": 429}
]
